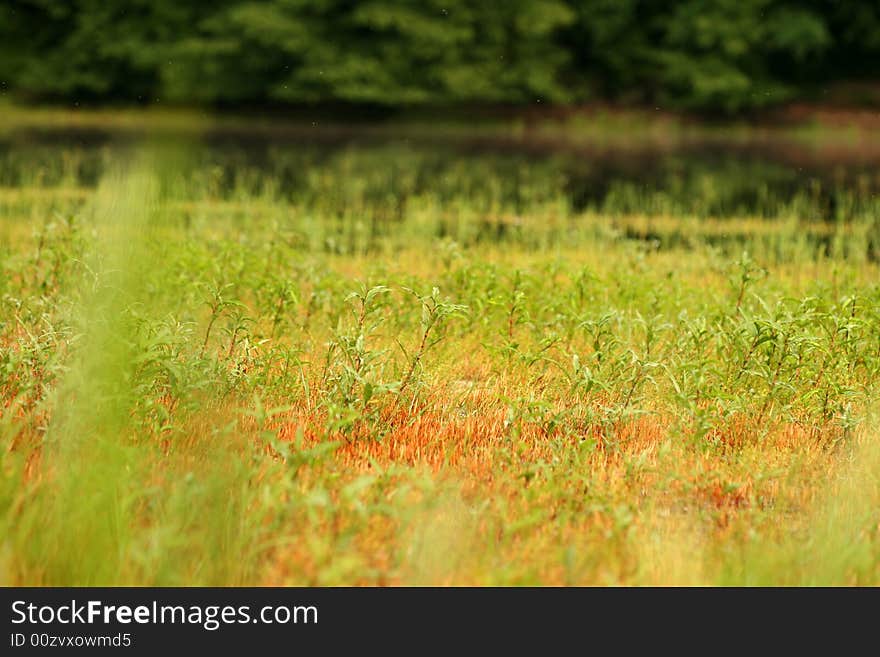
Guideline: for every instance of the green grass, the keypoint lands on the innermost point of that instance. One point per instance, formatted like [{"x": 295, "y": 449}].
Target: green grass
[{"x": 402, "y": 370}]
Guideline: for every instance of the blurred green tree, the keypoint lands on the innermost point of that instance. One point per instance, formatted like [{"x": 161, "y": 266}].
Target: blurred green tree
[
  {"x": 724, "y": 55},
  {"x": 379, "y": 51}
]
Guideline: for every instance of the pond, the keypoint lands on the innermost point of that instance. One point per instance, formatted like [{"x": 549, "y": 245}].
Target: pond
[{"x": 485, "y": 188}]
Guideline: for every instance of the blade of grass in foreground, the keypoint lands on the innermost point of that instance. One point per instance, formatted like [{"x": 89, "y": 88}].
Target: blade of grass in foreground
[
  {"x": 112, "y": 506},
  {"x": 840, "y": 540}
]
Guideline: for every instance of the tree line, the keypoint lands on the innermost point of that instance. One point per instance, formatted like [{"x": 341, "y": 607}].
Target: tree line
[{"x": 716, "y": 55}]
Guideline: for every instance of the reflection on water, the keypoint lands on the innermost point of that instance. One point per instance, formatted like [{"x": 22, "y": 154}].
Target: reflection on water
[{"x": 493, "y": 184}]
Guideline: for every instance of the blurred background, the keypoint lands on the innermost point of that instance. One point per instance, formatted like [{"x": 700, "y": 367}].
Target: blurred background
[
  {"x": 639, "y": 112},
  {"x": 710, "y": 56}
]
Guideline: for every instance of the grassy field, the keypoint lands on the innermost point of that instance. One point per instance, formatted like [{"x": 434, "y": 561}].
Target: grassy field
[{"x": 206, "y": 381}]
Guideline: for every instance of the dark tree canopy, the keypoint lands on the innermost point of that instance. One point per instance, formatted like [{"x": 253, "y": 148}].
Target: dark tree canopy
[{"x": 725, "y": 55}]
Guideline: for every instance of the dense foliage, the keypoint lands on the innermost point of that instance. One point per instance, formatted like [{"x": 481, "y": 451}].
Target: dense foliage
[{"x": 704, "y": 54}]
